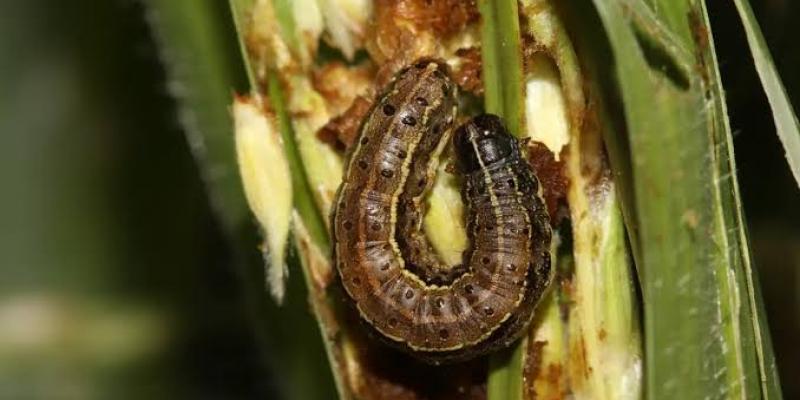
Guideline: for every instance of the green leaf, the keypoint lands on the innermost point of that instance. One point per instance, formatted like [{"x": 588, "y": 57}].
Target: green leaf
[
  {"x": 680, "y": 264},
  {"x": 785, "y": 119},
  {"x": 701, "y": 302},
  {"x": 753, "y": 315},
  {"x": 203, "y": 73}
]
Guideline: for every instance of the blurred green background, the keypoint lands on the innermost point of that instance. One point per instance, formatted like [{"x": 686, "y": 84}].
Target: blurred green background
[{"x": 118, "y": 281}]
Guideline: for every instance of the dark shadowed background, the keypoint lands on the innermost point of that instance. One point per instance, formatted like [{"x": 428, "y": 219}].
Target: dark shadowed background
[{"x": 117, "y": 281}]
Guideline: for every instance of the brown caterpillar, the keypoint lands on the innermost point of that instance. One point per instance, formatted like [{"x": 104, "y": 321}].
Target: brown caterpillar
[{"x": 385, "y": 263}]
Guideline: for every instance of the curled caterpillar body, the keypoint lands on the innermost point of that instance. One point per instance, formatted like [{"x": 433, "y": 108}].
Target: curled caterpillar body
[{"x": 384, "y": 261}]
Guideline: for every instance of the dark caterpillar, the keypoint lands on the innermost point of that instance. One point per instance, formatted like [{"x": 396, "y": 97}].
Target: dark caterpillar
[{"x": 386, "y": 265}]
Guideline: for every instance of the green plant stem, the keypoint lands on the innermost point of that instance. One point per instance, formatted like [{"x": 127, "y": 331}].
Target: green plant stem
[
  {"x": 502, "y": 61},
  {"x": 505, "y": 373},
  {"x": 302, "y": 195},
  {"x": 301, "y": 190},
  {"x": 502, "y": 78}
]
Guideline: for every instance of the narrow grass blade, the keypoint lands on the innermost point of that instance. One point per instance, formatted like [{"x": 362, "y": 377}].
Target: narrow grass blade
[{"x": 786, "y": 122}]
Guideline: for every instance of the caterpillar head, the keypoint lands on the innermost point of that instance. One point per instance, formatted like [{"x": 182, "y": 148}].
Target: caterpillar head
[{"x": 482, "y": 142}]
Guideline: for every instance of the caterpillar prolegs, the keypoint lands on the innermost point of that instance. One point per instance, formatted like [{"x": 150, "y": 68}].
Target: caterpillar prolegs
[{"x": 386, "y": 265}]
